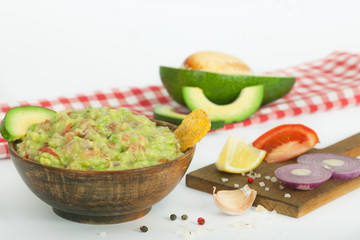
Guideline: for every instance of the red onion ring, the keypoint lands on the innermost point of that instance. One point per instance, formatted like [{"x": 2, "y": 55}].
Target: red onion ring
[
  {"x": 342, "y": 167},
  {"x": 302, "y": 176}
]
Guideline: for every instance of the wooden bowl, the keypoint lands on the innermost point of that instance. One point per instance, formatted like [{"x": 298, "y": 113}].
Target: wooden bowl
[{"x": 102, "y": 197}]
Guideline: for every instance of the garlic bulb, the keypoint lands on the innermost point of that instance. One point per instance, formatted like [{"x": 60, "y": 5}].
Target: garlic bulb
[{"x": 235, "y": 202}]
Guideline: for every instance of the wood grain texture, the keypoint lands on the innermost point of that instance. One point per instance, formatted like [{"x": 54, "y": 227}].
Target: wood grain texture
[
  {"x": 102, "y": 197},
  {"x": 300, "y": 202}
]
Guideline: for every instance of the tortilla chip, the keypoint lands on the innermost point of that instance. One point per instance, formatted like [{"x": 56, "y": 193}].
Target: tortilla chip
[{"x": 192, "y": 129}]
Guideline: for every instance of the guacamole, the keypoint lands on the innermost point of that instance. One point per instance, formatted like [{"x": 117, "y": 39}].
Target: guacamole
[{"x": 99, "y": 139}]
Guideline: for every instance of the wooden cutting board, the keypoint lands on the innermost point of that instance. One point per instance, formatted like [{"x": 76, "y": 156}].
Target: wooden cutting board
[{"x": 300, "y": 202}]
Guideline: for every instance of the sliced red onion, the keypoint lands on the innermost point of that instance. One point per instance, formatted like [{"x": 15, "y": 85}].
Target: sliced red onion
[
  {"x": 342, "y": 167},
  {"x": 302, "y": 176}
]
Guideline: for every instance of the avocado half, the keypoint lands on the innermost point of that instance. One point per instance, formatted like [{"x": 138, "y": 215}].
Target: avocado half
[
  {"x": 246, "y": 104},
  {"x": 222, "y": 88},
  {"x": 169, "y": 114}
]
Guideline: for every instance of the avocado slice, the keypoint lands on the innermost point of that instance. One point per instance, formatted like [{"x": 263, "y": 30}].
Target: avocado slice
[
  {"x": 18, "y": 119},
  {"x": 248, "y": 101},
  {"x": 222, "y": 88},
  {"x": 169, "y": 114}
]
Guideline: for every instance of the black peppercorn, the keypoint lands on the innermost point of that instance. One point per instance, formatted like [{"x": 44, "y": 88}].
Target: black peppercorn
[
  {"x": 144, "y": 228},
  {"x": 184, "y": 217},
  {"x": 173, "y": 217}
]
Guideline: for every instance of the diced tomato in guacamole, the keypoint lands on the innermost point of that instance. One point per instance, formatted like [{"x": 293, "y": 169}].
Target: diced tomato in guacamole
[{"x": 99, "y": 139}]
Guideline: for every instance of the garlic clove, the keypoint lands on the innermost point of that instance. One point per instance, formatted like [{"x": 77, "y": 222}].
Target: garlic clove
[{"x": 235, "y": 202}]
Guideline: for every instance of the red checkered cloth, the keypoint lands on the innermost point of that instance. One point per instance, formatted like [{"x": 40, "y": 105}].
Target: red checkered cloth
[{"x": 331, "y": 82}]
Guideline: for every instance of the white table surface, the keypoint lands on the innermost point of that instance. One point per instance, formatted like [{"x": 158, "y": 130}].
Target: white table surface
[{"x": 56, "y": 48}]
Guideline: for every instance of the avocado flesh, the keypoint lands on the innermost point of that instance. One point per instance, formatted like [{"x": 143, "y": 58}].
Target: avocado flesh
[
  {"x": 167, "y": 113},
  {"x": 222, "y": 88},
  {"x": 18, "y": 119},
  {"x": 247, "y": 103}
]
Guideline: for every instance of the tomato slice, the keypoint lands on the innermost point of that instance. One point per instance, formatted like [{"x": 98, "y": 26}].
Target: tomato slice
[{"x": 286, "y": 141}]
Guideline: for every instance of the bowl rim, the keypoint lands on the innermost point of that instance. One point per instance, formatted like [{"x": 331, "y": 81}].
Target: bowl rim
[{"x": 172, "y": 127}]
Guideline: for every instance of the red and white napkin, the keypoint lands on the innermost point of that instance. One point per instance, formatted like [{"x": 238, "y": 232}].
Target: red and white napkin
[{"x": 331, "y": 82}]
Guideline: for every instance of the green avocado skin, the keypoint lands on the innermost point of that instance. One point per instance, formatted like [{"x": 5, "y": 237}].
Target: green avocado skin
[
  {"x": 222, "y": 88},
  {"x": 4, "y": 133}
]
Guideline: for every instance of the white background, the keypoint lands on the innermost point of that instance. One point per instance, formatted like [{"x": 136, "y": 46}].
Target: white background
[{"x": 55, "y": 48}]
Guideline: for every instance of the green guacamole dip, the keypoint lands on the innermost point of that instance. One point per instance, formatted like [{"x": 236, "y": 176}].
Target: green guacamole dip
[{"x": 99, "y": 139}]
